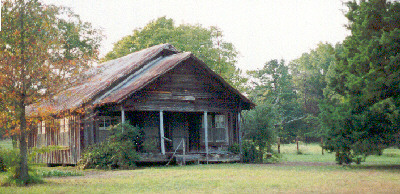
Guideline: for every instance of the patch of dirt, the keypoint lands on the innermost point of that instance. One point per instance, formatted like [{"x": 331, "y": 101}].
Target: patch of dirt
[{"x": 304, "y": 164}]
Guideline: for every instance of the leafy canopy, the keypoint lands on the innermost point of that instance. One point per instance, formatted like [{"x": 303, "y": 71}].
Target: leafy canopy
[
  {"x": 41, "y": 48},
  {"x": 205, "y": 43},
  {"x": 364, "y": 85}
]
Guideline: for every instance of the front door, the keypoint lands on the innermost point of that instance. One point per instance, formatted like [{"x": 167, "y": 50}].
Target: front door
[
  {"x": 182, "y": 125},
  {"x": 194, "y": 125}
]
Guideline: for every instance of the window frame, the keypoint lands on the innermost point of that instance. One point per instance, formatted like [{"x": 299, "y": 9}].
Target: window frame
[
  {"x": 214, "y": 125},
  {"x": 43, "y": 124},
  {"x": 111, "y": 121}
]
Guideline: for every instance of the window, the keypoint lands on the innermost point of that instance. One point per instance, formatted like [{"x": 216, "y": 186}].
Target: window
[
  {"x": 105, "y": 122},
  {"x": 64, "y": 124},
  {"x": 220, "y": 130},
  {"x": 217, "y": 130},
  {"x": 39, "y": 128},
  {"x": 61, "y": 121},
  {"x": 219, "y": 121},
  {"x": 43, "y": 127}
]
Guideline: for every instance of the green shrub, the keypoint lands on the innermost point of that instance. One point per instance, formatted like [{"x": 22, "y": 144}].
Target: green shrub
[
  {"x": 272, "y": 158},
  {"x": 118, "y": 152},
  {"x": 235, "y": 148},
  {"x": 11, "y": 162},
  {"x": 150, "y": 146},
  {"x": 250, "y": 153},
  {"x": 58, "y": 173},
  {"x": 12, "y": 178},
  {"x": 2, "y": 165},
  {"x": 10, "y": 158},
  {"x": 344, "y": 158}
]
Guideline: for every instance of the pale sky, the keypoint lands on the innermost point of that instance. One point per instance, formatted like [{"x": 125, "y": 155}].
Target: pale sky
[{"x": 260, "y": 30}]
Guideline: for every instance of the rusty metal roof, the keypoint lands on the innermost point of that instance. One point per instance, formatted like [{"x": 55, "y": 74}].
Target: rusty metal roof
[
  {"x": 140, "y": 78},
  {"x": 113, "y": 81}
]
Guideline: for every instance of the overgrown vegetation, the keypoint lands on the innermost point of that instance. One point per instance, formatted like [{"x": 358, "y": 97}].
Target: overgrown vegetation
[
  {"x": 348, "y": 93},
  {"x": 250, "y": 154},
  {"x": 11, "y": 162},
  {"x": 361, "y": 111},
  {"x": 119, "y": 151},
  {"x": 259, "y": 133},
  {"x": 57, "y": 173}
]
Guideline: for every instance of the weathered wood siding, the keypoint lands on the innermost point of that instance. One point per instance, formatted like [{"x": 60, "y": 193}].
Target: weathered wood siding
[
  {"x": 186, "y": 88},
  {"x": 69, "y": 140}
]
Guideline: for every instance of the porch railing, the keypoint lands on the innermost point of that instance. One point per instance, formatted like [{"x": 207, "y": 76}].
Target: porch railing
[{"x": 182, "y": 142}]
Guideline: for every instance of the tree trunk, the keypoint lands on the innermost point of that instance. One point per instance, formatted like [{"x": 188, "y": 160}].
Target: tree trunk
[
  {"x": 23, "y": 168},
  {"x": 23, "y": 148}
]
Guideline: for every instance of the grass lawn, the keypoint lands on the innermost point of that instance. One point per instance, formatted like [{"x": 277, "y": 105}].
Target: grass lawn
[
  {"x": 312, "y": 153},
  {"x": 6, "y": 144},
  {"x": 224, "y": 178},
  {"x": 378, "y": 175}
]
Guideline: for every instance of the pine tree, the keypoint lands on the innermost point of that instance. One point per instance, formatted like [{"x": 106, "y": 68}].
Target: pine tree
[{"x": 364, "y": 96}]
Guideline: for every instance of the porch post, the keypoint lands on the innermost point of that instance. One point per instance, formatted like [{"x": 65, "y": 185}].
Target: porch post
[
  {"x": 122, "y": 115},
  {"x": 206, "y": 133},
  {"x": 162, "y": 132},
  {"x": 240, "y": 134}
]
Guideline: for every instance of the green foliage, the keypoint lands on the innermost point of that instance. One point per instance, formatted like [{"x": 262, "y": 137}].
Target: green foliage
[
  {"x": 273, "y": 88},
  {"x": 118, "y": 152},
  {"x": 309, "y": 79},
  {"x": 272, "y": 83},
  {"x": 57, "y": 173},
  {"x": 10, "y": 158},
  {"x": 42, "y": 47},
  {"x": 6, "y": 144},
  {"x": 272, "y": 158},
  {"x": 250, "y": 153},
  {"x": 12, "y": 161},
  {"x": 205, "y": 43},
  {"x": 309, "y": 76},
  {"x": 2, "y": 165},
  {"x": 258, "y": 125},
  {"x": 150, "y": 146},
  {"x": 362, "y": 106},
  {"x": 33, "y": 178}
]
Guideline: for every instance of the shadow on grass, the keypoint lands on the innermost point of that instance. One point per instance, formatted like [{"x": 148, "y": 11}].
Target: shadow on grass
[{"x": 391, "y": 167}]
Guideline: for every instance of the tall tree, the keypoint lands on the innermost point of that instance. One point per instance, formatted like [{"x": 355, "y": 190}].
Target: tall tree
[
  {"x": 365, "y": 82},
  {"x": 41, "y": 46},
  {"x": 309, "y": 75},
  {"x": 273, "y": 87},
  {"x": 205, "y": 43},
  {"x": 259, "y": 127},
  {"x": 309, "y": 79}
]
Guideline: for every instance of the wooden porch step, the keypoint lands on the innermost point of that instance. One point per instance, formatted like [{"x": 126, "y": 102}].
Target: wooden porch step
[{"x": 182, "y": 159}]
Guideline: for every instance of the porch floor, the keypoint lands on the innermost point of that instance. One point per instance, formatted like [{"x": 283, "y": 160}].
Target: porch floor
[{"x": 196, "y": 157}]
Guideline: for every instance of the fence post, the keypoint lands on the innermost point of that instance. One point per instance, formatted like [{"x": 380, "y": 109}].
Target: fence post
[
  {"x": 322, "y": 145},
  {"x": 184, "y": 147},
  {"x": 279, "y": 145}
]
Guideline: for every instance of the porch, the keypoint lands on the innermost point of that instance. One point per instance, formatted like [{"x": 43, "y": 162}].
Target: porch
[
  {"x": 193, "y": 136},
  {"x": 170, "y": 157}
]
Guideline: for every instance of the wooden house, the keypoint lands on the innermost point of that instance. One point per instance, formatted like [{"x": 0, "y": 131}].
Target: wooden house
[{"x": 174, "y": 97}]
